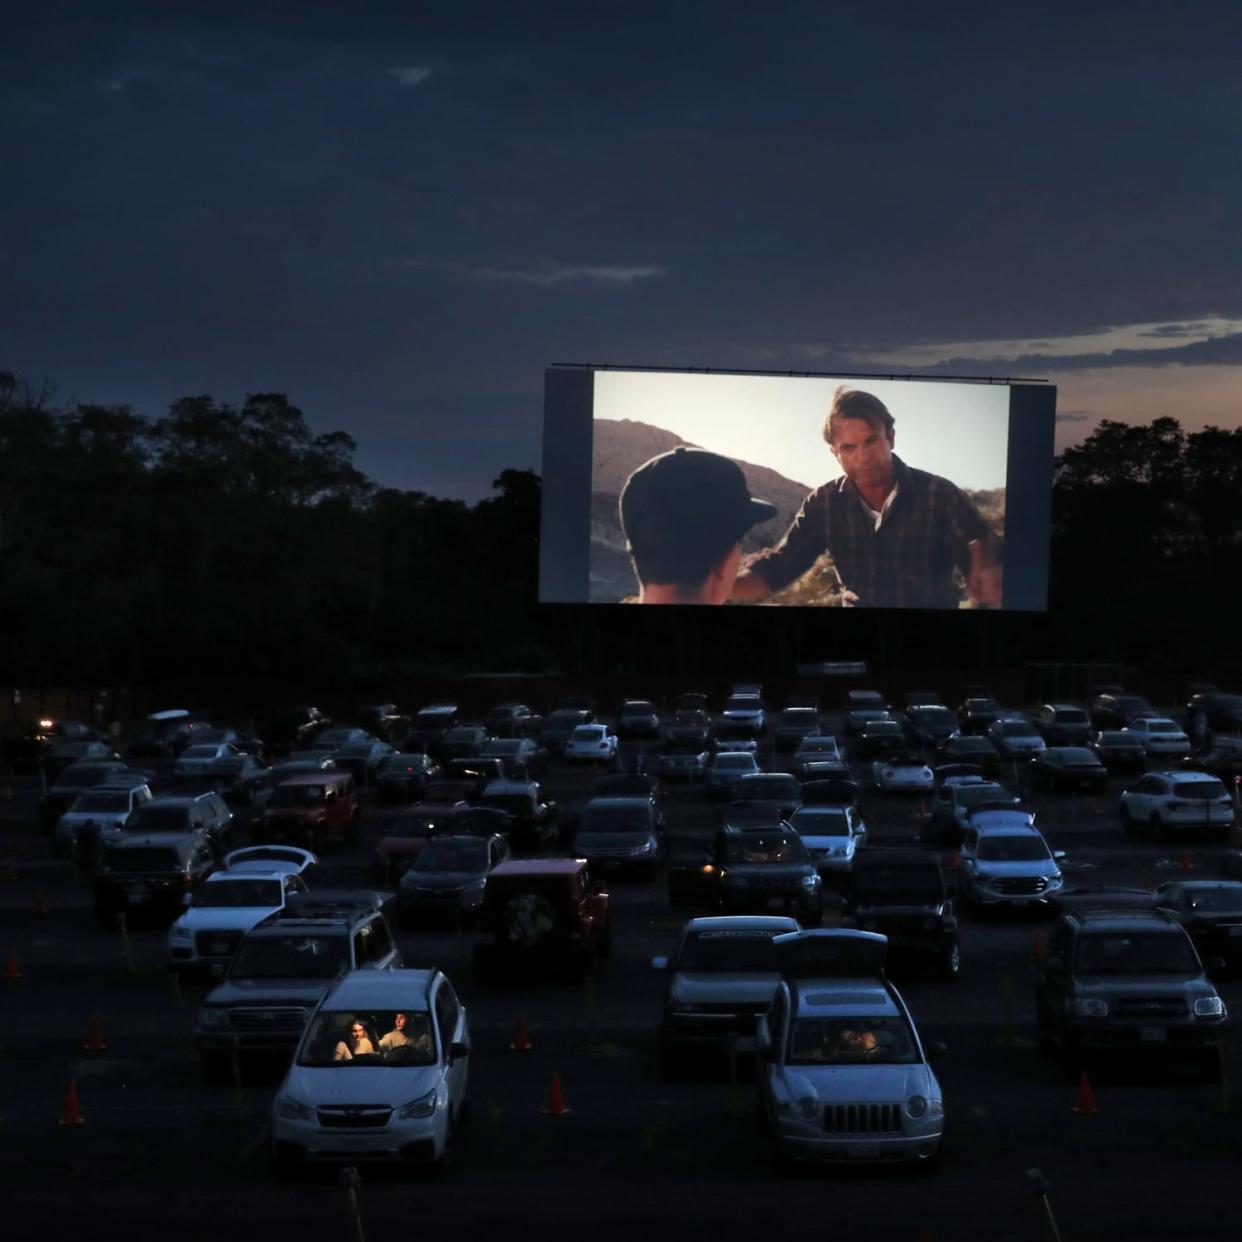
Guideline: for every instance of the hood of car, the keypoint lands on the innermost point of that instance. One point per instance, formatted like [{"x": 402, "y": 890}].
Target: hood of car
[
  {"x": 273, "y": 992},
  {"x": 441, "y": 881},
  {"x": 387, "y": 1085},
  {"x": 723, "y": 986},
  {"x": 862, "y": 1084}
]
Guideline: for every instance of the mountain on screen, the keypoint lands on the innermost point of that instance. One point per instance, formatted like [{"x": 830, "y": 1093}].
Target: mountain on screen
[{"x": 620, "y": 447}]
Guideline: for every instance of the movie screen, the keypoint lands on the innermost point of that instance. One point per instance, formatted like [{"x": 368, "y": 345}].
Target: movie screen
[{"x": 796, "y": 491}]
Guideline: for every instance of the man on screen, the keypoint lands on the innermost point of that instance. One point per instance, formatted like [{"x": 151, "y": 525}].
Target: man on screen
[
  {"x": 896, "y": 534},
  {"x": 684, "y": 514}
]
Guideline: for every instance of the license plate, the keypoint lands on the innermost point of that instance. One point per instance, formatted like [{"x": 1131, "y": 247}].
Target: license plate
[
  {"x": 862, "y": 1151},
  {"x": 1153, "y": 1035}
]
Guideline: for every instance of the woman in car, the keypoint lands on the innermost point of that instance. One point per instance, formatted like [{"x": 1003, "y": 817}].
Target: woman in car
[{"x": 356, "y": 1045}]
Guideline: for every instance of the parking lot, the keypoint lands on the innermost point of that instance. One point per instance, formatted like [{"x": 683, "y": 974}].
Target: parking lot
[{"x": 159, "y": 1144}]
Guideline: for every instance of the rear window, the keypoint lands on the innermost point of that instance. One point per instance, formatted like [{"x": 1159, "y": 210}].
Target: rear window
[
  {"x": 102, "y": 800},
  {"x": 972, "y": 795},
  {"x": 729, "y": 950},
  {"x": 734, "y": 761},
  {"x": 160, "y": 819},
  {"x": 1071, "y": 715},
  {"x": 588, "y": 733},
  {"x": 238, "y": 893},
  {"x": 144, "y": 860},
  {"x": 821, "y": 823},
  {"x": 768, "y": 787},
  {"x": 1199, "y": 789},
  {"x": 292, "y": 956}
]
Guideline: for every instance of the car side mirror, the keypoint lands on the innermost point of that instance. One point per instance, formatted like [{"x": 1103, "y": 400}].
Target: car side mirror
[
  {"x": 659, "y": 963},
  {"x": 1058, "y": 855},
  {"x": 458, "y": 1049}
]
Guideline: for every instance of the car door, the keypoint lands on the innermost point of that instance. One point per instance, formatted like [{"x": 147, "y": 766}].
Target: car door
[
  {"x": 451, "y": 1027},
  {"x": 770, "y": 1044}
]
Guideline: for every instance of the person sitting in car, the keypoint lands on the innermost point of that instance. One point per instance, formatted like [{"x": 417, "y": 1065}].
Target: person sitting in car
[
  {"x": 418, "y": 1041},
  {"x": 356, "y": 1045}
]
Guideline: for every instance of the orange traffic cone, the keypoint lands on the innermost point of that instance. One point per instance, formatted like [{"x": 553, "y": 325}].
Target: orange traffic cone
[
  {"x": 1086, "y": 1097},
  {"x": 94, "y": 1035},
  {"x": 1037, "y": 949},
  {"x": 521, "y": 1040},
  {"x": 1187, "y": 865},
  {"x": 40, "y": 905},
  {"x": 72, "y": 1115},
  {"x": 11, "y": 969},
  {"x": 554, "y": 1104}
]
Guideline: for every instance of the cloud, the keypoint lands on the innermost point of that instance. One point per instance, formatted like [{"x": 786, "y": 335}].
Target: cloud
[
  {"x": 1073, "y": 416},
  {"x": 121, "y": 82},
  {"x": 553, "y": 273},
  {"x": 1175, "y": 331},
  {"x": 410, "y": 75}
]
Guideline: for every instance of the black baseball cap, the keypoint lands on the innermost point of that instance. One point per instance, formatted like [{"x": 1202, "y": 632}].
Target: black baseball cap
[{"x": 689, "y": 501}]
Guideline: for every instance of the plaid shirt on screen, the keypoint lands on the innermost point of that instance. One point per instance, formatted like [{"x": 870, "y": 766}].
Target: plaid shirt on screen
[{"x": 907, "y": 563}]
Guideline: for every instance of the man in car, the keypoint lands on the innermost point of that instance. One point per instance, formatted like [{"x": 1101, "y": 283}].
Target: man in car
[
  {"x": 896, "y": 534},
  {"x": 684, "y": 514},
  {"x": 399, "y": 1037}
]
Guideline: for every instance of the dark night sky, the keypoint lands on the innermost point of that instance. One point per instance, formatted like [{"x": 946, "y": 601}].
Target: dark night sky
[{"x": 399, "y": 213}]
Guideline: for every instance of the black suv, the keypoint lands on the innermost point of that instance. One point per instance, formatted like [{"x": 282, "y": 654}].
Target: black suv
[
  {"x": 902, "y": 895},
  {"x": 1126, "y": 979},
  {"x": 750, "y": 867},
  {"x": 150, "y": 874},
  {"x": 283, "y": 968}
]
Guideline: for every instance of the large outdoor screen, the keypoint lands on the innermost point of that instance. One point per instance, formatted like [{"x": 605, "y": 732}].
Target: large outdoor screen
[{"x": 813, "y": 491}]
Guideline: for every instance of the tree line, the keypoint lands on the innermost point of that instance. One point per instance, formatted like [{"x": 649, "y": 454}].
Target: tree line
[{"x": 233, "y": 540}]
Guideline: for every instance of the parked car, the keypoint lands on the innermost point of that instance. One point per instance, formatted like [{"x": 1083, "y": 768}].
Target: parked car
[
  {"x": 776, "y": 790},
  {"x": 593, "y": 743},
  {"x": 463, "y": 741},
  {"x": 1116, "y": 710},
  {"x": 1068, "y": 768},
  {"x": 927, "y": 725},
  {"x": 815, "y": 755},
  {"x": 1126, "y": 981},
  {"x": 405, "y": 775},
  {"x": 978, "y": 714},
  {"x": 690, "y": 729},
  {"x": 744, "y": 712},
  {"x": 842, "y": 1073},
  {"x": 283, "y": 968},
  {"x": 532, "y": 818},
  {"x": 310, "y": 810},
  {"x": 544, "y": 914},
  {"x": 365, "y": 759},
  {"x": 61, "y": 755},
  {"x": 682, "y": 760},
  {"x": 968, "y": 748},
  {"x": 95, "y": 816},
  {"x": 522, "y": 756},
  {"x": 722, "y": 977},
  {"x": 1006, "y": 863},
  {"x": 1166, "y": 802},
  {"x": 1118, "y": 750},
  {"x": 409, "y": 1090},
  {"x": 222, "y": 910},
  {"x": 1160, "y": 737},
  {"x": 448, "y": 878},
  {"x": 1223, "y": 759},
  {"x": 952, "y": 803},
  {"x": 149, "y": 874},
  {"x": 902, "y": 774},
  {"x": 559, "y": 726},
  {"x": 726, "y": 769},
  {"x": 1015, "y": 739},
  {"x": 238, "y": 778},
  {"x": 1210, "y": 910},
  {"x": 879, "y": 738},
  {"x": 286, "y": 859},
  {"x": 1223, "y": 711},
  {"x": 620, "y": 835},
  {"x": 69, "y": 784},
  {"x": 385, "y": 721},
  {"x": 832, "y": 836},
  {"x": 637, "y": 718},
  {"x": 1063, "y": 724},
  {"x": 205, "y": 813},
  {"x": 512, "y": 720},
  {"x": 902, "y": 894},
  {"x": 794, "y": 724},
  {"x": 429, "y": 726}
]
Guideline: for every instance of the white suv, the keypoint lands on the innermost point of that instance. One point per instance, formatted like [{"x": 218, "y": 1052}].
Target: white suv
[
  {"x": 1006, "y": 863},
  {"x": 379, "y": 1075},
  {"x": 105, "y": 807},
  {"x": 1161, "y": 801}
]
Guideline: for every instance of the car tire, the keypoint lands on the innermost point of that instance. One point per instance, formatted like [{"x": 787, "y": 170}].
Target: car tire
[{"x": 951, "y": 961}]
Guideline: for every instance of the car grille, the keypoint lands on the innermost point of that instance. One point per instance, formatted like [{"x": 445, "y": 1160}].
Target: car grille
[
  {"x": 287, "y": 1019},
  {"x": 862, "y": 1118},
  {"x": 354, "y": 1116},
  {"x": 1020, "y": 885},
  {"x": 218, "y": 943},
  {"x": 1151, "y": 1007}
]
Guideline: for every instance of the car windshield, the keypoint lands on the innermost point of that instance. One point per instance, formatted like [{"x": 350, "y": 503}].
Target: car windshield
[
  {"x": 1005, "y": 848},
  {"x": 825, "y": 822},
  {"x": 1016, "y": 728},
  {"x": 296, "y": 955},
  {"x": 768, "y": 787},
  {"x": 502, "y": 747},
  {"x": 800, "y": 716},
  {"x": 102, "y": 800},
  {"x": 453, "y": 856},
  {"x": 818, "y": 746},
  {"x": 266, "y": 853},
  {"x": 299, "y": 795},
  {"x": 1136, "y": 954},
  {"x": 1120, "y": 741},
  {"x": 971, "y": 745},
  {"x": 637, "y": 709},
  {"x": 916, "y": 884},
  {"x": 932, "y": 715},
  {"x": 239, "y": 893},
  {"x": 1199, "y": 789},
  {"x": 728, "y": 949},
  {"x": 200, "y": 752},
  {"x": 742, "y": 703},
  {"x": 851, "y": 1041},
  {"x": 765, "y": 848},
  {"x": 734, "y": 761},
  {"x": 1074, "y": 754},
  {"x": 342, "y": 1039},
  {"x": 882, "y": 728}
]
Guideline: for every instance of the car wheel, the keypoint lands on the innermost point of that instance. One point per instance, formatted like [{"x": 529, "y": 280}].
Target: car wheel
[{"x": 951, "y": 961}]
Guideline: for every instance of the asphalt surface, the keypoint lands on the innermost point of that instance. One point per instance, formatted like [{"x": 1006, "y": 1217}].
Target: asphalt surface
[{"x": 160, "y": 1150}]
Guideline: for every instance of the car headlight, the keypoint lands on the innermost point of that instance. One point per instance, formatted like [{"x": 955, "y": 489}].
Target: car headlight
[
  {"x": 1086, "y": 1007},
  {"x": 291, "y": 1109},
  {"x": 916, "y": 1105},
  {"x": 808, "y": 1107},
  {"x": 213, "y": 1016},
  {"x": 810, "y": 881},
  {"x": 647, "y": 847},
  {"x": 180, "y": 933},
  {"x": 1209, "y": 1007},
  {"x": 424, "y": 1106}
]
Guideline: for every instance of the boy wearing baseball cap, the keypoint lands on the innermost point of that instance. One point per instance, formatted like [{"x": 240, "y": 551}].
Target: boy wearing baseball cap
[{"x": 684, "y": 514}]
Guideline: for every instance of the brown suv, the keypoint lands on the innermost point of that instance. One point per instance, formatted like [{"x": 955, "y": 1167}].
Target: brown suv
[
  {"x": 542, "y": 913},
  {"x": 310, "y": 810}
]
